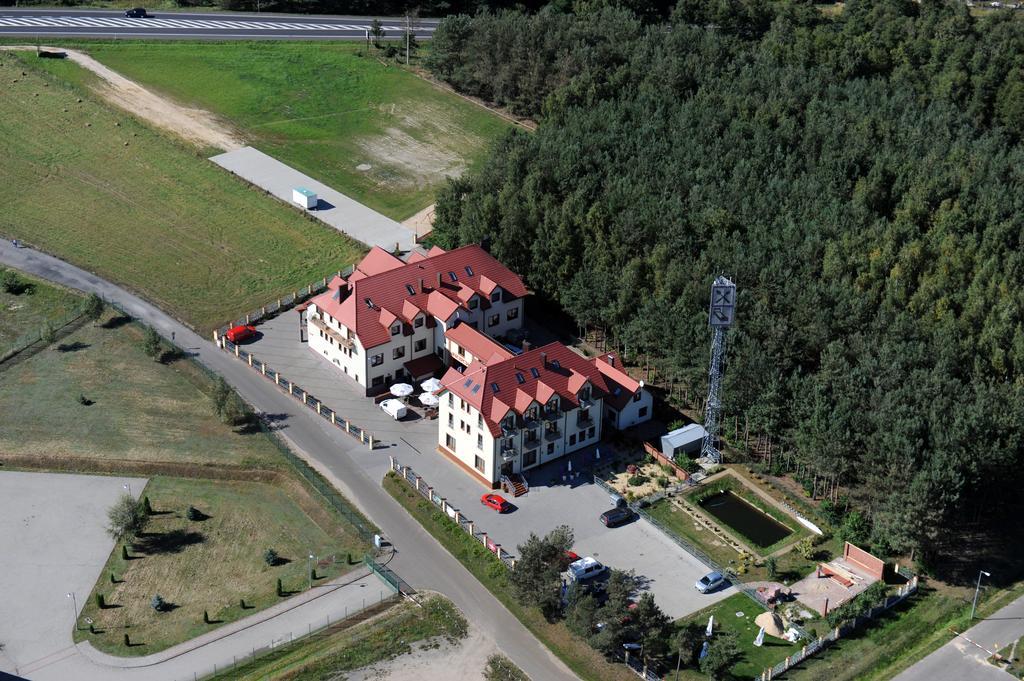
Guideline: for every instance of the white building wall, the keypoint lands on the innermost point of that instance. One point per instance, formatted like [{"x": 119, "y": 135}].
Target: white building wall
[
  {"x": 630, "y": 414},
  {"x": 469, "y": 439},
  {"x": 352, "y": 363}
]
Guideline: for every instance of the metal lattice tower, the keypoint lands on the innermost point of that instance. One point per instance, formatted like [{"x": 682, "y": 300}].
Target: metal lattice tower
[{"x": 720, "y": 318}]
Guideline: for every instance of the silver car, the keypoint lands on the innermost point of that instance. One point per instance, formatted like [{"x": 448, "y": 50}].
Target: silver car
[{"x": 710, "y": 582}]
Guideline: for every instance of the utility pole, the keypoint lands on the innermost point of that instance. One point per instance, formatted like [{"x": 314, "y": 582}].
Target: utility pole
[
  {"x": 977, "y": 588},
  {"x": 408, "y": 32},
  {"x": 722, "y": 314}
]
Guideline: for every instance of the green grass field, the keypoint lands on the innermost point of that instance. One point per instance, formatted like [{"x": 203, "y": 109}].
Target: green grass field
[
  {"x": 142, "y": 411},
  {"x": 323, "y": 109},
  {"x": 27, "y": 312},
  {"x": 96, "y": 187},
  {"x": 209, "y": 564},
  {"x": 337, "y": 650}
]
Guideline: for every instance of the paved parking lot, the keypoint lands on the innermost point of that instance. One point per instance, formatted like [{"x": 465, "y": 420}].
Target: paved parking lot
[
  {"x": 666, "y": 570},
  {"x": 54, "y": 543}
]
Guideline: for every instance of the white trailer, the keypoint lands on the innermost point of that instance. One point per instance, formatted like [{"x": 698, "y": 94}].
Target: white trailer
[{"x": 304, "y": 197}]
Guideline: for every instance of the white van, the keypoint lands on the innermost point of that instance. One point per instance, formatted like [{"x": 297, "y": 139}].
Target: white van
[
  {"x": 394, "y": 408},
  {"x": 585, "y": 568}
]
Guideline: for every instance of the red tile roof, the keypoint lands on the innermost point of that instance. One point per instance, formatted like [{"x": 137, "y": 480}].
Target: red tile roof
[
  {"x": 481, "y": 346},
  {"x": 621, "y": 385},
  {"x": 557, "y": 367},
  {"x": 428, "y": 284}
]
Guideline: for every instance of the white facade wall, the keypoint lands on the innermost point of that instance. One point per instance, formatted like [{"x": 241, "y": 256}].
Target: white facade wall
[
  {"x": 390, "y": 366},
  {"x": 630, "y": 414},
  {"x": 483, "y": 317},
  {"x": 352, "y": 362},
  {"x": 463, "y": 433}
]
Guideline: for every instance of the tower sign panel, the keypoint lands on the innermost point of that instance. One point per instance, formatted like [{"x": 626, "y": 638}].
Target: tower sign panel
[{"x": 723, "y": 303}]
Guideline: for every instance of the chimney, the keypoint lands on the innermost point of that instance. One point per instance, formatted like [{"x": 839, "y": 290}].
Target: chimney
[
  {"x": 611, "y": 359},
  {"x": 526, "y": 346},
  {"x": 438, "y": 280},
  {"x": 423, "y": 285},
  {"x": 544, "y": 359}
]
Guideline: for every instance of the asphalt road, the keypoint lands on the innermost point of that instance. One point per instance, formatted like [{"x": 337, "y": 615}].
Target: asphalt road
[
  {"x": 965, "y": 657},
  {"x": 205, "y": 25},
  {"x": 420, "y": 560}
]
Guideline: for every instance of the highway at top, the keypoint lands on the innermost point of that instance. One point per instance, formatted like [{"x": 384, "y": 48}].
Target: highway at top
[{"x": 64, "y": 23}]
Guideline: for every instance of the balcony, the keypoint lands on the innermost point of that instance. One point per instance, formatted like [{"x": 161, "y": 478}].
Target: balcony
[
  {"x": 552, "y": 435},
  {"x": 508, "y": 455},
  {"x": 331, "y": 333},
  {"x": 552, "y": 414}
]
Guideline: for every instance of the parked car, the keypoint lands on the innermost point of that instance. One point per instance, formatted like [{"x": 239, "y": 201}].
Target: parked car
[
  {"x": 394, "y": 408},
  {"x": 137, "y": 13},
  {"x": 710, "y": 582},
  {"x": 495, "y": 501},
  {"x": 616, "y": 516},
  {"x": 241, "y": 333},
  {"x": 585, "y": 568}
]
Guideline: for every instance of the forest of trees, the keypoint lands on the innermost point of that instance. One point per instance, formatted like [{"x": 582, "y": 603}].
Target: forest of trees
[{"x": 858, "y": 176}]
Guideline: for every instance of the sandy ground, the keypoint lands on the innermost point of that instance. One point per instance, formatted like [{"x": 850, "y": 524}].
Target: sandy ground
[
  {"x": 196, "y": 126},
  {"x": 423, "y": 222},
  {"x": 444, "y": 662}
]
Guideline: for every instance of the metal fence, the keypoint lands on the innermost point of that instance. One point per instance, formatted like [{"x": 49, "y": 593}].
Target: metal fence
[
  {"x": 286, "y": 303},
  {"x": 844, "y": 628},
  {"x": 27, "y": 340},
  {"x": 293, "y": 389},
  {"x": 454, "y": 514}
]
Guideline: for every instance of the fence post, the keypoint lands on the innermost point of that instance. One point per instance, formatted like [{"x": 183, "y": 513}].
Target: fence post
[
  {"x": 391, "y": 460},
  {"x": 318, "y": 408},
  {"x": 370, "y": 441},
  {"x": 304, "y": 396},
  {"x": 334, "y": 418},
  {"x": 458, "y": 517},
  {"x": 362, "y": 436},
  {"x": 236, "y": 351},
  {"x": 250, "y": 359},
  {"x": 347, "y": 428},
  {"x": 471, "y": 528},
  {"x": 277, "y": 378},
  {"x": 291, "y": 388},
  {"x": 418, "y": 483},
  {"x": 444, "y": 505}
]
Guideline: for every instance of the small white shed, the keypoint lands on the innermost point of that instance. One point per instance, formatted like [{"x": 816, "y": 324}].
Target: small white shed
[
  {"x": 304, "y": 197},
  {"x": 685, "y": 440}
]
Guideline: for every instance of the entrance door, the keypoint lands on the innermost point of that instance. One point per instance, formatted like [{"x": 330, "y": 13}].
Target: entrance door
[
  {"x": 303, "y": 329},
  {"x": 506, "y": 468}
]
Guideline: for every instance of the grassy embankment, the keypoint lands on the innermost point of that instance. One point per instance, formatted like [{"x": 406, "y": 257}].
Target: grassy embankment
[
  {"x": 345, "y": 647},
  {"x": 37, "y": 305},
  {"x": 95, "y": 186},
  {"x": 586, "y": 662},
  {"x": 371, "y": 130},
  {"x": 144, "y": 417}
]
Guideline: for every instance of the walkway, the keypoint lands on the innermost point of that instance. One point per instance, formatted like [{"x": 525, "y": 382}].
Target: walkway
[
  {"x": 960, "y": 659},
  {"x": 337, "y": 210},
  {"x": 421, "y": 560}
]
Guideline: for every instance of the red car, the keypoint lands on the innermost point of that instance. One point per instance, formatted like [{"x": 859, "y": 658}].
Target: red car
[
  {"x": 495, "y": 501},
  {"x": 241, "y": 333}
]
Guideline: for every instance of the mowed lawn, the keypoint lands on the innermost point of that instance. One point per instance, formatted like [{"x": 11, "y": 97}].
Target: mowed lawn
[
  {"x": 211, "y": 564},
  {"x": 142, "y": 410},
  {"x": 29, "y": 311},
  {"x": 371, "y": 130},
  {"x": 92, "y": 185}
]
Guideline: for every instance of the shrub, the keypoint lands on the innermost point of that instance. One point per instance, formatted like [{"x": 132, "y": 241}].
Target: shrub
[
  {"x": 636, "y": 480},
  {"x": 771, "y": 566},
  {"x": 83, "y": 400},
  {"x": 668, "y": 470},
  {"x": 101, "y": 603},
  {"x": 146, "y": 505},
  {"x": 280, "y": 587},
  {"x": 806, "y": 548},
  {"x": 662, "y": 481},
  {"x": 157, "y": 603},
  {"x": 206, "y": 617},
  {"x": 127, "y": 642},
  {"x": 151, "y": 342},
  {"x": 126, "y": 519},
  {"x": 47, "y": 334},
  {"x": 194, "y": 513},
  {"x": 11, "y": 283},
  {"x": 270, "y": 557},
  {"x": 124, "y": 555}
]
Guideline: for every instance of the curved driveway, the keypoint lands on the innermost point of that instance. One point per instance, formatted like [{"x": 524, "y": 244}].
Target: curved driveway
[{"x": 420, "y": 560}]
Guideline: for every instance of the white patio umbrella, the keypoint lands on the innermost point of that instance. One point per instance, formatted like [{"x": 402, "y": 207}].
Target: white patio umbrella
[
  {"x": 597, "y": 454},
  {"x": 759, "y": 641},
  {"x": 401, "y": 390},
  {"x": 711, "y": 626},
  {"x": 570, "y": 465},
  {"x": 429, "y": 399},
  {"x": 431, "y": 385}
]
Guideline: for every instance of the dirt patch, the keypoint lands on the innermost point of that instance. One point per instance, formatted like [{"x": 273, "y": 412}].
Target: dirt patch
[
  {"x": 423, "y": 222},
  {"x": 432, "y": 662},
  {"x": 196, "y": 126},
  {"x": 414, "y": 162}
]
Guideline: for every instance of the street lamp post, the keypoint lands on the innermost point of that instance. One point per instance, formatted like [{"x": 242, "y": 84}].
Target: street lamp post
[
  {"x": 74, "y": 604},
  {"x": 128, "y": 487},
  {"x": 977, "y": 588},
  {"x": 309, "y": 570}
]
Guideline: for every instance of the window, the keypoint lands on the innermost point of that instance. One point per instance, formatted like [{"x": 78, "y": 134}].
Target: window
[
  {"x": 555, "y": 364},
  {"x": 377, "y": 359},
  {"x": 451, "y": 420},
  {"x": 496, "y": 296},
  {"x": 495, "y": 388},
  {"x": 529, "y": 458},
  {"x": 531, "y": 435},
  {"x": 493, "y": 320},
  {"x": 479, "y": 441},
  {"x": 451, "y": 400},
  {"x": 508, "y": 423},
  {"x": 451, "y": 275},
  {"x": 583, "y": 417},
  {"x": 512, "y": 313},
  {"x": 469, "y": 271},
  {"x": 464, "y": 427},
  {"x": 535, "y": 374},
  {"x": 449, "y": 441},
  {"x": 474, "y": 303},
  {"x": 480, "y": 421},
  {"x": 531, "y": 413},
  {"x": 479, "y": 463},
  {"x": 398, "y": 352},
  {"x": 551, "y": 448},
  {"x": 585, "y": 394},
  {"x": 636, "y": 398},
  {"x": 377, "y": 380},
  {"x": 395, "y": 329},
  {"x": 520, "y": 378},
  {"x": 420, "y": 345},
  {"x": 642, "y": 412},
  {"x": 418, "y": 322},
  {"x": 590, "y": 432},
  {"x": 410, "y": 289},
  {"x": 572, "y": 440}
]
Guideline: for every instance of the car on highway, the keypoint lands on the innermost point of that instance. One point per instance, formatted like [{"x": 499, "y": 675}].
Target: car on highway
[
  {"x": 616, "y": 516},
  {"x": 495, "y": 501},
  {"x": 136, "y": 13},
  {"x": 241, "y": 333},
  {"x": 710, "y": 582}
]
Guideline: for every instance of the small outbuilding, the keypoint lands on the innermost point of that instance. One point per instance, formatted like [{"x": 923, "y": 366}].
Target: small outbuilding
[
  {"x": 686, "y": 440},
  {"x": 305, "y": 198}
]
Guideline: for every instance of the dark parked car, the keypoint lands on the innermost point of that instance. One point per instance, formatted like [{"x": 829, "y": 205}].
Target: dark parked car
[
  {"x": 616, "y": 516},
  {"x": 136, "y": 13}
]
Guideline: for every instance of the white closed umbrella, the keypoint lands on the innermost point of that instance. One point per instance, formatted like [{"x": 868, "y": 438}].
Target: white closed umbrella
[
  {"x": 597, "y": 454},
  {"x": 401, "y": 390},
  {"x": 711, "y": 626},
  {"x": 570, "y": 466},
  {"x": 429, "y": 400},
  {"x": 431, "y": 385},
  {"x": 759, "y": 641}
]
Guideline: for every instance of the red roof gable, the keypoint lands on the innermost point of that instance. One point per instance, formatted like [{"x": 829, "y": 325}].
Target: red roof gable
[
  {"x": 621, "y": 385},
  {"x": 432, "y": 284},
  {"x": 482, "y": 347},
  {"x": 559, "y": 371}
]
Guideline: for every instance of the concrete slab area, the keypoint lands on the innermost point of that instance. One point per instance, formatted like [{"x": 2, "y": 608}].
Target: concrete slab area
[
  {"x": 666, "y": 570},
  {"x": 334, "y": 208},
  {"x": 53, "y": 543}
]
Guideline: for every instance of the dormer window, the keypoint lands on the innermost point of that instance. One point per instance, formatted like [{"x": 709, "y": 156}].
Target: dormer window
[
  {"x": 451, "y": 275},
  {"x": 418, "y": 322},
  {"x": 395, "y": 328},
  {"x": 496, "y": 296},
  {"x": 509, "y": 422},
  {"x": 474, "y": 302},
  {"x": 531, "y": 413},
  {"x": 369, "y": 303},
  {"x": 469, "y": 271},
  {"x": 410, "y": 289},
  {"x": 585, "y": 394}
]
